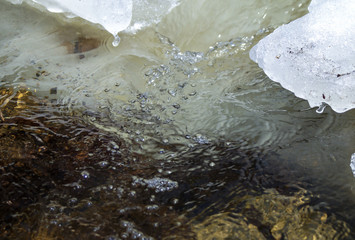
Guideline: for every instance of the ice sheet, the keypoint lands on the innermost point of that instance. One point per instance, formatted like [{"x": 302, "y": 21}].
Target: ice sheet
[{"x": 314, "y": 56}]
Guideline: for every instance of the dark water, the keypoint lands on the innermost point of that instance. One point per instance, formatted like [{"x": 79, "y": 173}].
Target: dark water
[{"x": 176, "y": 134}]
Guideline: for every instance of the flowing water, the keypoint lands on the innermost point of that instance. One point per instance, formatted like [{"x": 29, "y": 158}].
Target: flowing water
[{"x": 174, "y": 134}]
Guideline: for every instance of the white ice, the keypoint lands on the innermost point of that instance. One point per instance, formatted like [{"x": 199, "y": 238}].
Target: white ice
[
  {"x": 314, "y": 56},
  {"x": 114, "y": 15}
]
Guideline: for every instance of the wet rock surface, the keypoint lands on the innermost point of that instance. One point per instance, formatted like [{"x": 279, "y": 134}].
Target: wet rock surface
[
  {"x": 63, "y": 179},
  {"x": 81, "y": 45}
]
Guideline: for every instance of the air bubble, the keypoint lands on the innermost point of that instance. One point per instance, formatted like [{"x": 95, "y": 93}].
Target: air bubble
[
  {"x": 161, "y": 184},
  {"x": 172, "y": 93},
  {"x": 103, "y": 163},
  {"x": 201, "y": 139},
  {"x": 176, "y": 105},
  {"x": 85, "y": 174},
  {"x": 152, "y": 207},
  {"x": 72, "y": 202}
]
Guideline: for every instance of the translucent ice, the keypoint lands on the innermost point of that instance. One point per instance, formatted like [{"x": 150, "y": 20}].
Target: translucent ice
[
  {"x": 114, "y": 15},
  {"x": 314, "y": 56},
  {"x": 149, "y": 12}
]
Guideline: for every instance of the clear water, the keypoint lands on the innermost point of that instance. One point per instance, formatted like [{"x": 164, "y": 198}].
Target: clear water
[{"x": 174, "y": 134}]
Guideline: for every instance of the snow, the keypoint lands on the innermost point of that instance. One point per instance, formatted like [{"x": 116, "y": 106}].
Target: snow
[{"x": 314, "y": 56}]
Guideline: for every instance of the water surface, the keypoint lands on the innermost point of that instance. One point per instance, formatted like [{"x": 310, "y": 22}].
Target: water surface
[{"x": 175, "y": 134}]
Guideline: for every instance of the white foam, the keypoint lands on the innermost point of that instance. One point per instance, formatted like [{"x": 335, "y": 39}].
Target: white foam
[{"x": 314, "y": 56}]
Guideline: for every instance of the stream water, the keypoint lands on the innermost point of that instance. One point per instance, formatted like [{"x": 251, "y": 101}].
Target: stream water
[{"x": 174, "y": 134}]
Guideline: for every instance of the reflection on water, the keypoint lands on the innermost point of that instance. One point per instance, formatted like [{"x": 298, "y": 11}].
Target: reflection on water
[{"x": 175, "y": 134}]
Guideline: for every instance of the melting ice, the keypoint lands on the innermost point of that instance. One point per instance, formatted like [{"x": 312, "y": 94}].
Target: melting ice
[
  {"x": 314, "y": 56},
  {"x": 114, "y": 15}
]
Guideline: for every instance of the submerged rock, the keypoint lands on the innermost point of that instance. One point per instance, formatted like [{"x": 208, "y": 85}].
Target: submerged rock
[
  {"x": 272, "y": 215},
  {"x": 81, "y": 45}
]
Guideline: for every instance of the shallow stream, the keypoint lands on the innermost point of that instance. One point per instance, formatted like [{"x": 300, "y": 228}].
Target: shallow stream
[{"x": 174, "y": 134}]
